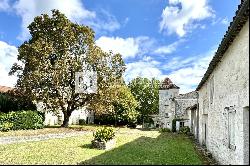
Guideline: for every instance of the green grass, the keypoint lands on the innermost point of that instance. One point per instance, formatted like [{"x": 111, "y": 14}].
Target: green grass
[
  {"x": 51, "y": 130},
  {"x": 133, "y": 147}
]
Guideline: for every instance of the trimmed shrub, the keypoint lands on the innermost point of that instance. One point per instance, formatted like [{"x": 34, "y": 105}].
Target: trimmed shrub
[
  {"x": 6, "y": 126},
  {"x": 21, "y": 120},
  {"x": 184, "y": 130},
  {"x": 104, "y": 134},
  {"x": 10, "y": 102},
  {"x": 165, "y": 130}
]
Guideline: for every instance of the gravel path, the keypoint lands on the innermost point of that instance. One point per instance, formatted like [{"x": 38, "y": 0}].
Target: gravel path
[{"x": 17, "y": 139}]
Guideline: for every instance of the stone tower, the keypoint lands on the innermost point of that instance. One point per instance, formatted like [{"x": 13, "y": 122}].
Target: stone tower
[{"x": 167, "y": 91}]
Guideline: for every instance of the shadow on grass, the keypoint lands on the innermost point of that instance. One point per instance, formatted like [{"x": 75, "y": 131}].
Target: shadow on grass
[
  {"x": 165, "y": 149},
  {"x": 87, "y": 146}
]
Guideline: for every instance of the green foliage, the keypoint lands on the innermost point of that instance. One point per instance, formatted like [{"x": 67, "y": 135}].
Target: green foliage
[
  {"x": 184, "y": 130},
  {"x": 124, "y": 108},
  {"x": 20, "y": 120},
  {"x": 57, "y": 49},
  {"x": 14, "y": 102},
  {"x": 146, "y": 92},
  {"x": 6, "y": 126},
  {"x": 82, "y": 121},
  {"x": 165, "y": 130},
  {"x": 104, "y": 134}
]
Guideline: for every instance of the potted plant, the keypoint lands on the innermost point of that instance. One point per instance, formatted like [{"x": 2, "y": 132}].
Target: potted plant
[{"x": 104, "y": 138}]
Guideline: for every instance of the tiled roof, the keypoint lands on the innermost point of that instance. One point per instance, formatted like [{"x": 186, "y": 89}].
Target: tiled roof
[
  {"x": 4, "y": 89},
  {"x": 240, "y": 18},
  {"x": 167, "y": 84}
]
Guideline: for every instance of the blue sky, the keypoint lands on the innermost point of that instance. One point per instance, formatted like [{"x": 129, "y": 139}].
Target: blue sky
[{"x": 157, "y": 38}]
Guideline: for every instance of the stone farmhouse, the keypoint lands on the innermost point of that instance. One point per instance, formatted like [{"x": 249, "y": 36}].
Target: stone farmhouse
[
  {"x": 217, "y": 112},
  {"x": 173, "y": 105},
  {"x": 56, "y": 118}
]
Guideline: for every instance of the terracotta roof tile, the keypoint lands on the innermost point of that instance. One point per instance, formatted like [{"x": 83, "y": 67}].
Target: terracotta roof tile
[
  {"x": 167, "y": 84},
  {"x": 4, "y": 89}
]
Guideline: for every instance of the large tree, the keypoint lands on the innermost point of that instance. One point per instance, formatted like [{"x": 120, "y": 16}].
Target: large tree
[
  {"x": 125, "y": 105},
  {"x": 146, "y": 92},
  {"x": 57, "y": 50}
]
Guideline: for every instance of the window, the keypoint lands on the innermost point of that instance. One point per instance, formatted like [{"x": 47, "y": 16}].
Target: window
[
  {"x": 181, "y": 124},
  {"x": 211, "y": 89},
  {"x": 231, "y": 127}
]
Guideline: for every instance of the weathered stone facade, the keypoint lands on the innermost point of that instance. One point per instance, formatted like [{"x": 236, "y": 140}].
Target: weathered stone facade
[
  {"x": 174, "y": 105},
  {"x": 224, "y": 104}
]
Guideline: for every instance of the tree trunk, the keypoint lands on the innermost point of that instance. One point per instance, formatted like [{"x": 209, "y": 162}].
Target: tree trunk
[{"x": 66, "y": 118}]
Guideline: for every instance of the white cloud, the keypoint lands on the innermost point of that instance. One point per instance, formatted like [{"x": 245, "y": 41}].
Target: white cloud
[
  {"x": 180, "y": 20},
  {"x": 178, "y": 62},
  {"x": 101, "y": 20},
  {"x": 126, "y": 47},
  {"x": 223, "y": 21},
  {"x": 188, "y": 77},
  {"x": 28, "y": 9},
  {"x": 142, "y": 68},
  {"x": 104, "y": 21},
  {"x": 4, "y": 5},
  {"x": 8, "y": 55},
  {"x": 169, "y": 48},
  {"x": 132, "y": 47}
]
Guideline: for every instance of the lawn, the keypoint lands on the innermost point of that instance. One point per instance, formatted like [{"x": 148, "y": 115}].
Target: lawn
[
  {"x": 134, "y": 146},
  {"x": 50, "y": 130}
]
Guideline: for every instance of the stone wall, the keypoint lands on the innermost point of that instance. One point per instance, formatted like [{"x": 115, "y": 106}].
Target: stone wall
[
  {"x": 56, "y": 118},
  {"x": 227, "y": 89},
  {"x": 167, "y": 107}
]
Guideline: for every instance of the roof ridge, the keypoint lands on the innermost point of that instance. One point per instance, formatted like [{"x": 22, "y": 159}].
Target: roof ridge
[{"x": 239, "y": 20}]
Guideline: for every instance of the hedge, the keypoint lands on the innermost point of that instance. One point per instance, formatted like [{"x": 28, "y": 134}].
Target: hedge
[
  {"x": 9, "y": 102},
  {"x": 21, "y": 120}
]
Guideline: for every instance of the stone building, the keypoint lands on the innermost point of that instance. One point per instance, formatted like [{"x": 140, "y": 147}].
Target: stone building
[
  {"x": 173, "y": 105},
  {"x": 218, "y": 111},
  {"x": 56, "y": 118},
  {"x": 224, "y": 95}
]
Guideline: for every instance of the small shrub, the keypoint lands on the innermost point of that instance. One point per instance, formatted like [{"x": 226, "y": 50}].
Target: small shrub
[
  {"x": 21, "y": 120},
  {"x": 165, "y": 130},
  {"x": 104, "y": 134},
  {"x": 82, "y": 121},
  {"x": 184, "y": 130},
  {"x": 6, "y": 126}
]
